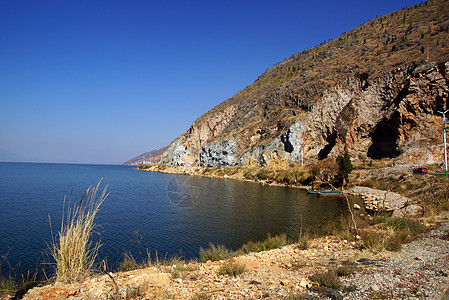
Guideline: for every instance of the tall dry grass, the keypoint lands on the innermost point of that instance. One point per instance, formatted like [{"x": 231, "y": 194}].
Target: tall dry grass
[{"x": 72, "y": 248}]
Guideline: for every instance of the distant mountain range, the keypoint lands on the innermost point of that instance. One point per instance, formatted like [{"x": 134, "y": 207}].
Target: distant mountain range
[
  {"x": 8, "y": 156},
  {"x": 146, "y": 158}
]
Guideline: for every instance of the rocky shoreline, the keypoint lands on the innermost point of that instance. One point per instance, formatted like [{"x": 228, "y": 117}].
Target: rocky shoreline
[
  {"x": 419, "y": 271},
  {"x": 375, "y": 201}
]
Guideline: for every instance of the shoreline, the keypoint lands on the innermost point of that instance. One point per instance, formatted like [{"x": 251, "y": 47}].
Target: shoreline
[
  {"x": 374, "y": 200},
  {"x": 199, "y": 171},
  {"x": 284, "y": 272},
  {"x": 292, "y": 266}
]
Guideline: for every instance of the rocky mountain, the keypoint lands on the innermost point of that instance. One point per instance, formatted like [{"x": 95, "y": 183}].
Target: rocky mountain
[
  {"x": 375, "y": 91},
  {"x": 146, "y": 158}
]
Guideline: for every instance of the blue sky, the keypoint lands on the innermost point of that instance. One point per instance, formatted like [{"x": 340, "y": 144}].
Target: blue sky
[{"x": 104, "y": 81}]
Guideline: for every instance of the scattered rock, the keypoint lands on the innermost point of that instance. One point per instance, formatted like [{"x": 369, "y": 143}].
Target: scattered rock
[
  {"x": 401, "y": 275},
  {"x": 285, "y": 282},
  {"x": 375, "y": 287},
  {"x": 409, "y": 211},
  {"x": 328, "y": 293}
]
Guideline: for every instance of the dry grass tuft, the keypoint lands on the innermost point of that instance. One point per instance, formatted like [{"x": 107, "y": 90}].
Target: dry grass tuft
[
  {"x": 72, "y": 248},
  {"x": 231, "y": 268},
  {"x": 214, "y": 253},
  {"x": 272, "y": 242}
]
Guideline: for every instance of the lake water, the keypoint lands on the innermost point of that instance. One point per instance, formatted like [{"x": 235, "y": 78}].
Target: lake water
[{"x": 170, "y": 214}]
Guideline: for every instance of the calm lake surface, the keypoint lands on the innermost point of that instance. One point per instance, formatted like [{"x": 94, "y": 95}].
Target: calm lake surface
[{"x": 170, "y": 214}]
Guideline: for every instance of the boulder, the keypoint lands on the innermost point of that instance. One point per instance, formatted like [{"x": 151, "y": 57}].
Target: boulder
[{"x": 409, "y": 211}]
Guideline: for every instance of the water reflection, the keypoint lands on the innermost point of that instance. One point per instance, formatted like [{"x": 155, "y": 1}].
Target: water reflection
[
  {"x": 171, "y": 214},
  {"x": 231, "y": 212}
]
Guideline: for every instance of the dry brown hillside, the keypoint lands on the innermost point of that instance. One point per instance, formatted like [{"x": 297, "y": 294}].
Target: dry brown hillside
[{"x": 287, "y": 93}]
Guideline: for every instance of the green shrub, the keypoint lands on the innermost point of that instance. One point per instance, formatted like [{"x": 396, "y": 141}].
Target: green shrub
[
  {"x": 263, "y": 174},
  {"x": 137, "y": 292},
  {"x": 412, "y": 226},
  {"x": 304, "y": 178},
  {"x": 345, "y": 270},
  {"x": 344, "y": 165},
  {"x": 340, "y": 226},
  {"x": 143, "y": 167},
  {"x": 329, "y": 280},
  {"x": 396, "y": 232},
  {"x": 286, "y": 177},
  {"x": 12, "y": 288},
  {"x": 7, "y": 286},
  {"x": 373, "y": 241},
  {"x": 272, "y": 242},
  {"x": 393, "y": 244},
  {"x": 128, "y": 263},
  {"x": 176, "y": 266},
  {"x": 214, "y": 253},
  {"x": 202, "y": 296},
  {"x": 231, "y": 268},
  {"x": 315, "y": 172},
  {"x": 249, "y": 175},
  {"x": 304, "y": 242}
]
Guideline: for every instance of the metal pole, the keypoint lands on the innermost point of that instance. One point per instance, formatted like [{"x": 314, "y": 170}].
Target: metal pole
[
  {"x": 444, "y": 138},
  {"x": 445, "y": 151}
]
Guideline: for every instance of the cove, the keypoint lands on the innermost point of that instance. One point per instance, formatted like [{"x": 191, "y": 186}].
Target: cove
[{"x": 146, "y": 211}]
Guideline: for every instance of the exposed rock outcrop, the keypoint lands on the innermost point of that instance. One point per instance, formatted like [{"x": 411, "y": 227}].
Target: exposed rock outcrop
[
  {"x": 283, "y": 150},
  {"x": 220, "y": 154},
  {"x": 394, "y": 116}
]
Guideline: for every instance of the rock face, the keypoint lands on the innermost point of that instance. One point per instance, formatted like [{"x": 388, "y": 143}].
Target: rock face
[
  {"x": 220, "y": 154},
  {"x": 395, "y": 116},
  {"x": 372, "y": 91},
  {"x": 283, "y": 150}
]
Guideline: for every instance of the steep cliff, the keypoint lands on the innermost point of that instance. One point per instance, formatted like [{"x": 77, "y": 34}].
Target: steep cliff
[{"x": 375, "y": 90}]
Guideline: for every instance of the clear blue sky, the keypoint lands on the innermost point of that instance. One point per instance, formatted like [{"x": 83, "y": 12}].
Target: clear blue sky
[{"x": 92, "y": 81}]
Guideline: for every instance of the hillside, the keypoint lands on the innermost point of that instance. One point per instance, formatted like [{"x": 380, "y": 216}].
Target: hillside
[
  {"x": 146, "y": 158},
  {"x": 375, "y": 90}
]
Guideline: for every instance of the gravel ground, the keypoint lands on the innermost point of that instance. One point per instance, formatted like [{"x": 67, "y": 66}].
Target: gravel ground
[{"x": 420, "y": 271}]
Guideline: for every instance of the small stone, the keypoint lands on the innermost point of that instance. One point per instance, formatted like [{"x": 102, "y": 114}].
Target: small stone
[
  {"x": 375, "y": 288},
  {"x": 350, "y": 289},
  {"x": 356, "y": 206},
  {"x": 304, "y": 284},
  {"x": 285, "y": 282}
]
